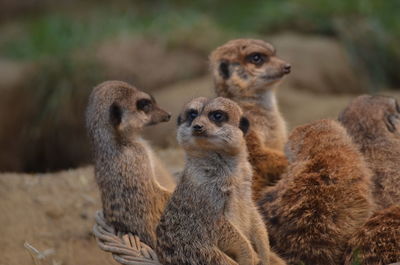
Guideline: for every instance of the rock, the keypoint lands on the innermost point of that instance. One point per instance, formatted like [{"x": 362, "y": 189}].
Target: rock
[
  {"x": 148, "y": 64},
  {"x": 319, "y": 64}
]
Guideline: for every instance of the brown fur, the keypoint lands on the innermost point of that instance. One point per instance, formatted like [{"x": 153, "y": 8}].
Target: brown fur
[
  {"x": 377, "y": 242},
  {"x": 268, "y": 165},
  {"x": 374, "y": 123},
  {"x": 211, "y": 218},
  {"x": 322, "y": 199},
  {"x": 125, "y": 172},
  {"x": 252, "y": 86}
]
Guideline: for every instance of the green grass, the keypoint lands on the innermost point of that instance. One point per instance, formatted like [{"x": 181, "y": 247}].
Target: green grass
[{"x": 59, "y": 35}]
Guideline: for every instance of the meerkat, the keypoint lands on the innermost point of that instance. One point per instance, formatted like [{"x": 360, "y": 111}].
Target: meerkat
[
  {"x": 322, "y": 199},
  {"x": 377, "y": 242},
  {"x": 211, "y": 218},
  {"x": 374, "y": 124},
  {"x": 132, "y": 198},
  {"x": 248, "y": 71}
]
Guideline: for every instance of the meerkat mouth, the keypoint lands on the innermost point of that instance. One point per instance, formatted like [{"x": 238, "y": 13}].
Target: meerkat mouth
[
  {"x": 200, "y": 134},
  {"x": 273, "y": 77}
]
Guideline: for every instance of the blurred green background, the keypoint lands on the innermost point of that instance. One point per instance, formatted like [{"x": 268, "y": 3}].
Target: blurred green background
[{"x": 53, "y": 53}]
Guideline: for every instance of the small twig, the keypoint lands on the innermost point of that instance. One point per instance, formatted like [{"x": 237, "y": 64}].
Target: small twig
[{"x": 37, "y": 255}]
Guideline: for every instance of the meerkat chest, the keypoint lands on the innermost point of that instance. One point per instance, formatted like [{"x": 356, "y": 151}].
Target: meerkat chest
[
  {"x": 147, "y": 154},
  {"x": 238, "y": 212}
]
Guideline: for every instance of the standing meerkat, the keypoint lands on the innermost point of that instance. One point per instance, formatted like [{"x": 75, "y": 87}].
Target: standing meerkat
[
  {"x": 377, "y": 242},
  {"x": 374, "y": 124},
  {"x": 211, "y": 218},
  {"x": 132, "y": 198},
  {"x": 248, "y": 71},
  {"x": 322, "y": 199}
]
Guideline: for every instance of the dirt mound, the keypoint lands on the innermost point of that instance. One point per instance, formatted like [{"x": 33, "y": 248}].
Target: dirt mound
[
  {"x": 50, "y": 212},
  {"x": 319, "y": 64},
  {"x": 148, "y": 63}
]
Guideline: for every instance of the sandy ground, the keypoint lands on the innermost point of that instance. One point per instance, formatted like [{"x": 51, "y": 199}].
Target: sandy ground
[{"x": 54, "y": 212}]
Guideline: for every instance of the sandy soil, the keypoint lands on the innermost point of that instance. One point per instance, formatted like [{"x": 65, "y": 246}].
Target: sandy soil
[{"x": 54, "y": 213}]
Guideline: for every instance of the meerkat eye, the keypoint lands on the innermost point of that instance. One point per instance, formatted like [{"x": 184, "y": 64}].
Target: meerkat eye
[
  {"x": 144, "y": 105},
  {"x": 218, "y": 116},
  {"x": 192, "y": 114},
  {"x": 256, "y": 58},
  {"x": 397, "y": 107}
]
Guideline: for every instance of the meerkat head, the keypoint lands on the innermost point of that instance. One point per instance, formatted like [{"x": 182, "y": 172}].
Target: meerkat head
[
  {"x": 310, "y": 140},
  {"x": 121, "y": 109},
  {"x": 246, "y": 68},
  {"x": 212, "y": 125},
  {"x": 372, "y": 116}
]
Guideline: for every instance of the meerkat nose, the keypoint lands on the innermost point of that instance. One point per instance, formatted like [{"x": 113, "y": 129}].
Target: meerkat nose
[
  {"x": 198, "y": 128},
  {"x": 286, "y": 68}
]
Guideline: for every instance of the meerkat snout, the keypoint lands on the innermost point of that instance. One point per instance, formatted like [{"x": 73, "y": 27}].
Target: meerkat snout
[
  {"x": 287, "y": 68},
  {"x": 198, "y": 130},
  {"x": 212, "y": 124}
]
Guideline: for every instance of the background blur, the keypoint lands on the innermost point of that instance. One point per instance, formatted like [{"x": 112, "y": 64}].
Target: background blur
[{"x": 52, "y": 53}]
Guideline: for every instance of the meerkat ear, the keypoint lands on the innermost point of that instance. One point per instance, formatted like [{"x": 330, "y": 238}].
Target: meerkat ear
[
  {"x": 391, "y": 123},
  {"x": 244, "y": 125},
  {"x": 224, "y": 69},
  {"x": 115, "y": 114}
]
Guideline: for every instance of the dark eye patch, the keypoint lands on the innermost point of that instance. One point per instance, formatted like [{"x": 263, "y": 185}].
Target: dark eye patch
[
  {"x": 397, "y": 106},
  {"x": 256, "y": 58},
  {"x": 224, "y": 70},
  {"x": 115, "y": 114},
  {"x": 244, "y": 125},
  {"x": 218, "y": 116},
  {"x": 144, "y": 104},
  {"x": 191, "y": 114}
]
